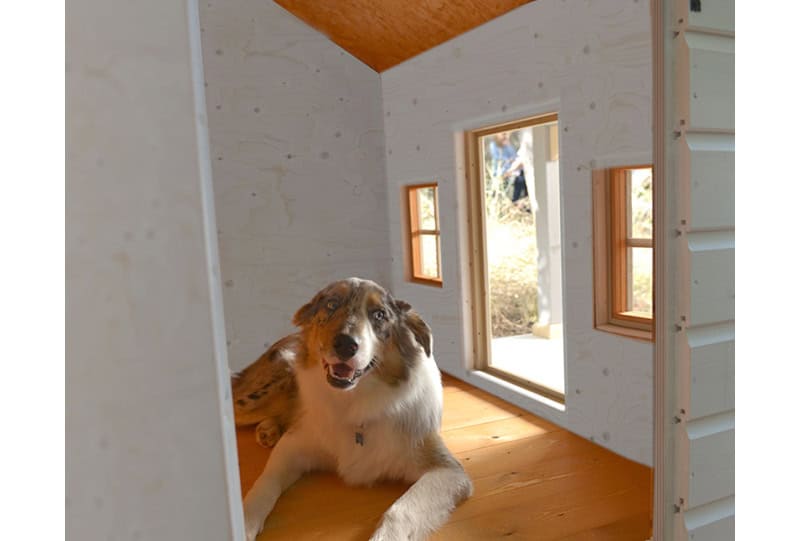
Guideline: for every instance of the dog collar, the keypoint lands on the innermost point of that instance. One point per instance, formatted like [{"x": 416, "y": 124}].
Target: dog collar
[{"x": 360, "y": 435}]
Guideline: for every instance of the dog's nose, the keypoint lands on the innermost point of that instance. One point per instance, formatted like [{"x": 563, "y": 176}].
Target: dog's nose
[{"x": 345, "y": 346}]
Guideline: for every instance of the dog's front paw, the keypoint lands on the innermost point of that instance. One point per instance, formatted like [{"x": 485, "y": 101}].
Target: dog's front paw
[
  {"x": 252, "y": 528},
  {"x": 393, "y": 528},
  {"x": 253, "y": 522}
]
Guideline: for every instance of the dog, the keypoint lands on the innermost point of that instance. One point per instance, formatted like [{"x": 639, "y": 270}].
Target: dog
[{"x": 356, "y": 391}]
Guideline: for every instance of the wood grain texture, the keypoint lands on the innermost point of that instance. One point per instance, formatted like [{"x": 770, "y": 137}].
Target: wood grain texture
[
  {"x": 384, "y": 33},
  {"x": 532, "y": 480},
  {"x": 297, "y": 150}
]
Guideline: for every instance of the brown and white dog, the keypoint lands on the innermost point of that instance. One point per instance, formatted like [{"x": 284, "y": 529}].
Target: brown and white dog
[{"x": 356, "y": 391}]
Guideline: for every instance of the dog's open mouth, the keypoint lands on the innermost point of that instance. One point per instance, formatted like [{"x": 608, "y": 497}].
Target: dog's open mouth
[{"x": 343, "y": 375}]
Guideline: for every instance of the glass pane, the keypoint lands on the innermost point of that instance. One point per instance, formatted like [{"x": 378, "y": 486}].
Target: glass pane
[
  {"x": 641, "y": 291},
  {"x": 427, "y": 209},
  {"x": 523, "y": 258},
  {"x": 640, "y": 203},
  {"x": 429, "y": 253},
  {"x": 510, "y": 234}
]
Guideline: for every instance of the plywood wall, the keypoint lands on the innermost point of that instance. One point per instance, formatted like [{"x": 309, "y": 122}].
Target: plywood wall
[
  {"x": 591, "y": 63},
  {"x": 150, "y": 446},
  {"x": 298, "y": 162}
]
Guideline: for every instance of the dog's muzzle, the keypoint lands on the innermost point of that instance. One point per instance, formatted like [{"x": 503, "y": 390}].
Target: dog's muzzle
[{"x": 344, "y": 376}]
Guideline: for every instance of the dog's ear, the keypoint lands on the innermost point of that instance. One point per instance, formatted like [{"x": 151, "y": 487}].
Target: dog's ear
[
  {"x": 306, "y": 312},
  {"x": 422, "y": 333},
  {"x": 415, "y": 323},
  {"x": 401, "y": 306}
]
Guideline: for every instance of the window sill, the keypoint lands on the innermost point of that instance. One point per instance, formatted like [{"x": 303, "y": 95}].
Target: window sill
[
  {"x": 637, "y": 334},
  {"x": 519, "y": 396},
  {"x": 426, "y": 281}
]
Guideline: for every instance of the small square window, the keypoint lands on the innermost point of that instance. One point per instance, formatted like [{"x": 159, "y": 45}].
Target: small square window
[
  {"x": 425, "y": 246},
  {"x": 623, "y": 250}
]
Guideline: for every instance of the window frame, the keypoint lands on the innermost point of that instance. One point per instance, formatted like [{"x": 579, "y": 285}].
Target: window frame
[
  {"x": 415, "y": 233},
  {"x": 611, "y": 243},
  {"x": 476, "y": 212}
]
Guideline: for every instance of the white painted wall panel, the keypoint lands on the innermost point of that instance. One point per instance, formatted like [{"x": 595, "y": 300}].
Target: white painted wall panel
[
  {"x": 591, "y": 63},
  {"x": 707, "y": 62},
  {"x": 709, "y": 168},
  {"x": 150, "y": 446},
  {"x": 711, "y": 459},
  {"x": 723, "y": 529},
  {"x": 711, "y": 522},
  {"x": 713, "y": 16},
  {"x": 297, "y": 145},
  {"x": 695, "y": 484},
  {"x": 712, "y": 284},
  {"x": 711, "y": 351}
]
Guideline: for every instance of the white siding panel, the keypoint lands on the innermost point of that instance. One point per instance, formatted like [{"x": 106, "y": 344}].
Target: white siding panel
[
  {"x": 701, "y": 113},
  {"x": 712, "y": 278},
  {"x": 711, "y": 350},
  {"x": 712, "y": 522},
  {"x": 714, "y": 16},
  {"x": 708, "y": 160},
  {"x": 707, "y": 100},
  {"x": 711, "y": 458},
  {"x": 721, "y": 530}
]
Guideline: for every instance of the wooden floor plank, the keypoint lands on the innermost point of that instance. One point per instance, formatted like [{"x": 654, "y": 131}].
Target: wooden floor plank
[
  {"x": 552, "y": 454},
  {"x": 467, "y": 438},
  {"x": 536, "y": 518},
  {"x": 462, "y": 408},
  {"x": 625, "y": 529},
  {"x": 533, "y": 480}
]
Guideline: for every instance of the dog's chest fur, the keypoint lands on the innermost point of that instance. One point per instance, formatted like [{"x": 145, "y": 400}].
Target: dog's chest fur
[{"x": 372, "y": 434}]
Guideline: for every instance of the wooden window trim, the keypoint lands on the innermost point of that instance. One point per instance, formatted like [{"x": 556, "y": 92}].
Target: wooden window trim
[
  {"x": 479, "y": 288},
  {"x": 611, "y": 243},
  {"x": 415, "y": 232}
]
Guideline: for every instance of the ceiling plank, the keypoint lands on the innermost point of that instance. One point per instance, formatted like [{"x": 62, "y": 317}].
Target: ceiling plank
[{"x": 384, "y": 33}]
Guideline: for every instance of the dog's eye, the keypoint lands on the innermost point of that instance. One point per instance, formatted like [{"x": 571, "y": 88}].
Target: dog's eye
[
  {"x": 379, "y": 315},
  {"x": 332, "y": 305}
]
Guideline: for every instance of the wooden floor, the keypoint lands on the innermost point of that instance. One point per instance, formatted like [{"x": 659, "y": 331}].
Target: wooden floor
[{"x": 533, "y": 480}]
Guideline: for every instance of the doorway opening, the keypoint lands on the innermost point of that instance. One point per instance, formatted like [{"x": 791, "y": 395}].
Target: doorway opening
[{"x": 515, "y": 218}]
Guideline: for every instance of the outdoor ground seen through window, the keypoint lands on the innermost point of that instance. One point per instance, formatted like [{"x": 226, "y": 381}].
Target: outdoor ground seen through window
[
  {"x": 521, "y": 225},
  {"x": 639, "y": 188}
]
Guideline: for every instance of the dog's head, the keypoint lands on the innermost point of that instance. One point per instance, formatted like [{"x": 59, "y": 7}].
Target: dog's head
[{"x": 355, "y": 329}]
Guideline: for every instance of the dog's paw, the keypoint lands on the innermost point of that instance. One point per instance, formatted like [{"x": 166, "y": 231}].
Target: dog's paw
[
  {"x": 252, "y": 526},
  {"x": 255, "y": 513},
  {"x": 393, "y": 528},
  {"x": 267, "y": 433}
]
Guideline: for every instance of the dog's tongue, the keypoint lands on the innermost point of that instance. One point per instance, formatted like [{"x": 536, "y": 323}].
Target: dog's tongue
[{"x": 343, "y": 370}]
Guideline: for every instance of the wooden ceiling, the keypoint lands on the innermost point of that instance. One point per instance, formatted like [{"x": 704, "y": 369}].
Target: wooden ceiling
[{"x": 384, "y": 33}]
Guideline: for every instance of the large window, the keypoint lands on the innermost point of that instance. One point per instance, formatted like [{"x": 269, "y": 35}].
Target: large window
[
  {"x": 423, "y": 220},
  {"x": 623, "y": 250},
  {"x": 516, "y": 257}
]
